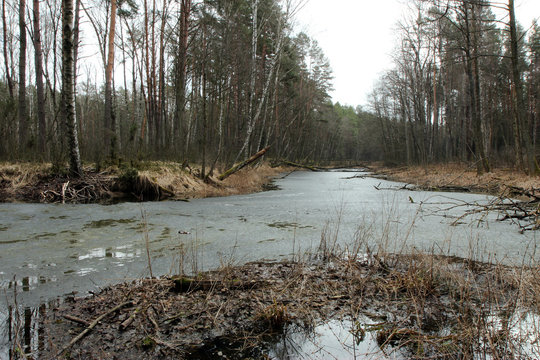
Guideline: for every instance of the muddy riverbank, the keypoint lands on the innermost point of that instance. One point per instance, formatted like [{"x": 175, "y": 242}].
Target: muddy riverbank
[{"x": 414, "y": 306}]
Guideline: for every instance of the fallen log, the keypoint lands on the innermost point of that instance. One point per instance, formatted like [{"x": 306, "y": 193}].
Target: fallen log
[
  {"x": 243, "y": 164},
  {"x": 302, "y": 166}
]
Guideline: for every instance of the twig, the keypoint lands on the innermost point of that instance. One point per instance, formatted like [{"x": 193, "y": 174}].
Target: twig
[
  {"x": 91, "y": 326},
  {"x": 76, "y": 320},
  {"x": 150, "y": 312},
  {"x": 123, "y": 326}
]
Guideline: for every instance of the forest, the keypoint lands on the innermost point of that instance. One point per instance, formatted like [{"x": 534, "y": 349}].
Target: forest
[{"x": 211, "y": 82}]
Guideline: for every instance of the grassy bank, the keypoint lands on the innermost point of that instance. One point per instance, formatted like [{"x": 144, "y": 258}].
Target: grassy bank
[
  {"x": 460, "y": 177},
  {"x": 31, "y": 182}
]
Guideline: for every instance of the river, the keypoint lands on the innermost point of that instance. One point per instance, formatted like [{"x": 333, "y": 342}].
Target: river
[{"x": 49, "y": 250}]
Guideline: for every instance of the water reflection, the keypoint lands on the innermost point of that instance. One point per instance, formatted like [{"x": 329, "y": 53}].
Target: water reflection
[
  {"x": 22, "y": 331},
  {"x": 335, "y": 339},
  {"x": 27, "y": 283},
  {"x": 126, "y": 253}
]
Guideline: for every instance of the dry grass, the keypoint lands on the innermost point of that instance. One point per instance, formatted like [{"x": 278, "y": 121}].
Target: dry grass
[
  {"x": 22, "y": 174},
  {"x": 457, "y": 174},
  {"x": 187, "y": 185}
]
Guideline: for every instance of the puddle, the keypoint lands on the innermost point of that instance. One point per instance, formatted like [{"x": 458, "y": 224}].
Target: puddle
[
  {"x": 522, "y": 329},
  {"x": 335, "y": 339}
]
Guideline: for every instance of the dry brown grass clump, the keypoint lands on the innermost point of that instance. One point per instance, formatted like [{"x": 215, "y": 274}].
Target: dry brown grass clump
[
  {"x": 186, "y": 184},
  {"x": 17, "y": 175}
]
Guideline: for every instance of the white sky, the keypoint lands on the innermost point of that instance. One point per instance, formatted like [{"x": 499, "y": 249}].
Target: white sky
[{"x": 358, "y": 36}]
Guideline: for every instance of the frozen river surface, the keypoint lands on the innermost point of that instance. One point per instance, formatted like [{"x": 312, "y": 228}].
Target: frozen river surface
[{"x": 52, "y": 249}]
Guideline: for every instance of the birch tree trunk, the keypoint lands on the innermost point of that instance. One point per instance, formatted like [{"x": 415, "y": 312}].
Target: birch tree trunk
[
  {"x": 255, "y": 117},
  {"x": 66, "y": 105}
]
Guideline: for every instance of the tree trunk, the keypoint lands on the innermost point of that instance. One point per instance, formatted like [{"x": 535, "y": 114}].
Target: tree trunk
[
  {"x": 251, "y": 120},
  {"x": 66, "y": 107},
  {"x": 471, "y": 54},
  {"x": 180, "y": 86},
  {"x": 40, "y": 90},
  {"x": 204, "y": 101},
  {"x": 76, "y": 33},
  {"x": 521, "y": 126},
  {"x": 110, "y": 118},
  {"x": 23, "y": 126},
  {"x": 6, "y": 57},
  {"x": 162, "y": 70}
]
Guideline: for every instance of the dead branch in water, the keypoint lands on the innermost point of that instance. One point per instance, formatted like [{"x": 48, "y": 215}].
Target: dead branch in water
[{"x": 524, "y": 213}]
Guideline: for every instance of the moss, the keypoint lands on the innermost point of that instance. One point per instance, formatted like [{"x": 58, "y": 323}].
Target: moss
[{"x": 148, "y": 343}]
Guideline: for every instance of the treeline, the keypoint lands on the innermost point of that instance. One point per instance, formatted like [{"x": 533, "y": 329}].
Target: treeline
[
  {"x": 465, "y": 87},
  {"x": 209, "y": 81}
]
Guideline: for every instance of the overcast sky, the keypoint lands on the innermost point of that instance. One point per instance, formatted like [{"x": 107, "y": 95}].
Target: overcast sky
[{"x": 358, "y": 36}]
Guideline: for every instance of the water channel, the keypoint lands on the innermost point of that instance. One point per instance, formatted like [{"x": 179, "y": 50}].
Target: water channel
[{"x": 49, "y": 250}]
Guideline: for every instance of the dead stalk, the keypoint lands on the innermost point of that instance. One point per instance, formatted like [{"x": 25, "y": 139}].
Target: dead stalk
[{"x": 146, "y": 240}]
